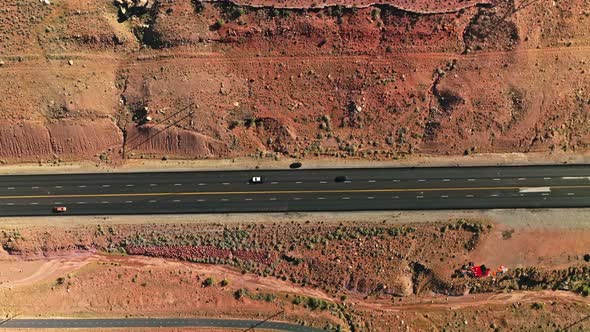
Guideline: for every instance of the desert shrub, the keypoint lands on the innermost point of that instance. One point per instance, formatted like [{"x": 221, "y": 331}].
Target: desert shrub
[
  {"x": 313, "y": 303},
  {"x": 240, "y": 293},
  {"x": 224, "y": 283},
  {"x": 234, "y": 124},
  {"x": 208, "y": 282},
  {"x": 219, "y": 24},
  {"x": 507, "y": 234}
]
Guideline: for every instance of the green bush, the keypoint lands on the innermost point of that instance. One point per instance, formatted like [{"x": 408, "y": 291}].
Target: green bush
[
  {"x": 208, "y": 282},
  {"x": 241, "y": 293},
  {"x": 219, "y": 24}
]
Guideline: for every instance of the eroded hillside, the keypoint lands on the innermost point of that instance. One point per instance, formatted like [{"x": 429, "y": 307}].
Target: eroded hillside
[{"x": 81, "y": 79}]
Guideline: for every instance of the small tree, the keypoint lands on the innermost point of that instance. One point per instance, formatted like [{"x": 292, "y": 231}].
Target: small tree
[{"x": 224, "y": 283}]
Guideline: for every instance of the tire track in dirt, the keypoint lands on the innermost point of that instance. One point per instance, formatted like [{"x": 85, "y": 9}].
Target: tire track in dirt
[
  {"x": 457, "y": 303},
  {"x": 111, "y": 62}
]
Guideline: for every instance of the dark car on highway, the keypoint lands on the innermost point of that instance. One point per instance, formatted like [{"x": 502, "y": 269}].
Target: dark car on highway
[{"x": 342, "y": 178}]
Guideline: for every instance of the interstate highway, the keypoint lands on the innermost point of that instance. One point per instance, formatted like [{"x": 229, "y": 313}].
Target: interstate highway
[
  {"x": 298, "y": 190},
  {"x": 151, "y": 323}
]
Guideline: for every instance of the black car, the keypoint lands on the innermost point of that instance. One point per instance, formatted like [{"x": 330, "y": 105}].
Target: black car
[{"x": 342, "y": 178}]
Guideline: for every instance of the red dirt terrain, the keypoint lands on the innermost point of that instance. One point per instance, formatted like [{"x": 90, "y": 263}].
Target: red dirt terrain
[
  {"x": 98, "y": 80},
  {"x": 355, "y": 275}
]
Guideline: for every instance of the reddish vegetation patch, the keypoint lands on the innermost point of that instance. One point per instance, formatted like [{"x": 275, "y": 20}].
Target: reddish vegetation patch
[
  {"x": 200, "y": 253},
  {"x": 417, "y": 6}
]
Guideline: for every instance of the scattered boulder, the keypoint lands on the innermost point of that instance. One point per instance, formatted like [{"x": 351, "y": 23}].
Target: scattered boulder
[
  {"x": 128, "y": 8},
  {"x": 403, "y": 286}
]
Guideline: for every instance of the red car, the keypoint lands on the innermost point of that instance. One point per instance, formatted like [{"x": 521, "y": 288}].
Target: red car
[{"x": 60, "y": 209}]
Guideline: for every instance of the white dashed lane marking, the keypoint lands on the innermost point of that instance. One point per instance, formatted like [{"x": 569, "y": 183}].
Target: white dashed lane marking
[
  {"x": 323, "y": 182},
  {"x": 345, "y": 197},
  {"x": 299, "y": 182},
  {"x": 34, "y": 187},
  {"x": 370, "y": 197},
  {"x": 153, "y": 201},
  {"x": 104, "y": 202},
  {"x": 444, "y": 196},
  {"x": 372, "y": 181},
  {"x": 10, "y": 188},
  {"x": 106, "y": 185},
  {"x": 129, "y": 185},
  {"x": 422, "y": 180},
  {"x": 178, "y": 184},
  {"x": 446, "y": 180},
  {"x": 470, "y": 180},
  {"x": 82, "y": 186},
  {"x": 496, "y": 179}
]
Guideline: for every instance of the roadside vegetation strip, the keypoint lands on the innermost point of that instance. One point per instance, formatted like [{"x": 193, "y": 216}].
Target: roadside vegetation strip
[
  {"x": 153, "y": 322},
  {"x": 268, "y": 192}
]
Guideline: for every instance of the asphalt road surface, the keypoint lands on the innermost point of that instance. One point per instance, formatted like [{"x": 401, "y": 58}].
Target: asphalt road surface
[
  {"x": 150, "y": 322},
  {"x": 298, "y": 190}
]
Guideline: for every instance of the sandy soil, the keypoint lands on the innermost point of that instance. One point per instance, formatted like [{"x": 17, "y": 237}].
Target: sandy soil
[
  {"x": 542, "y": 219},
  {"x": 133, "y": 165},
  {"x": 25, "y": 273}
]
